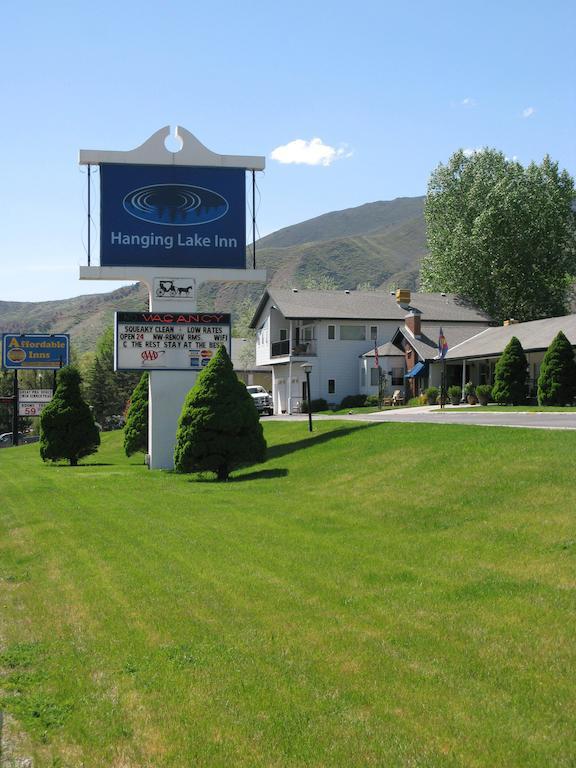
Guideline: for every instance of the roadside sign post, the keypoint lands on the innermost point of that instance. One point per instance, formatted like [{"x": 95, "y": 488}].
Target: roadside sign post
[
  {"x": 172, "y": 221},
  {"x": 15, "y": 410}
]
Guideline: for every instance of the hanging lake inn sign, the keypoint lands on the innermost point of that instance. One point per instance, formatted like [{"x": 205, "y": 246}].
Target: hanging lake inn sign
[{"x": 173, "y": 221}]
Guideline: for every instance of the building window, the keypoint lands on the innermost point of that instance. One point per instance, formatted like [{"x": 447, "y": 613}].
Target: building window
[
  {"x": 331, "y": 331},
  {"x": 283, "y": 334},
  {"x": 397, "y": 376},
  {"x": 331, "y": 386},
  {"x": 374, "y": 377},
  {"x": 373, "y": 332},
  {"x": 362, "y": 376},
  {"x": 352, "y": 333}
]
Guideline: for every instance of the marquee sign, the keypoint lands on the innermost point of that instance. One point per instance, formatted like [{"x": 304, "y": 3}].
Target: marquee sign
[
  {"x": 172, "y": 216},
  {"x": 169, "y": 341},
  {"x": 34, "y": 350}
]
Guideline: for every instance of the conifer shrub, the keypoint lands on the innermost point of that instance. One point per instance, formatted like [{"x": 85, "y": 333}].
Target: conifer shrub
[
  {"x": 219, "y": 428},
  {"x": 136, "y": 429},
  {"x": 67, "y": 427},
  {"x": 432, "y": 394},
  {"x": 557, "y": 380},
  {"x": 510, "y": 376}
]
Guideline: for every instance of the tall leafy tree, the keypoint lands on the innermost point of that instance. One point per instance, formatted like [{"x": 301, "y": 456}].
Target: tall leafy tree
[
  {"x": 67, "y": 428},
  {"x": 511, "y": 375},
  {"x": 136, "y": 429},
  {"x": 219, "y": 429},
  {"x": 557, "y": 380},
  {"x": 501, "y": 234}
]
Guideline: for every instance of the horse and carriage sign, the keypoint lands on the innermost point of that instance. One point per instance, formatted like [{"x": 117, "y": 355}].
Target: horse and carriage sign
[{"x": 175, "y": 288}]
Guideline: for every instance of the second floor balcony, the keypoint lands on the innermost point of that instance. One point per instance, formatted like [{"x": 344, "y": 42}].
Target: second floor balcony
[{"x": 300, "y": 349}]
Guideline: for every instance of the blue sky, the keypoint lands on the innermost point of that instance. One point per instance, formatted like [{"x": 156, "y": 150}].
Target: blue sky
[{"x": 388, "y": 89}]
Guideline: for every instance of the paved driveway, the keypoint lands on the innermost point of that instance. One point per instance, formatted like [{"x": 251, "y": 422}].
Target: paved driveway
[{"x": 478, "y": 417}]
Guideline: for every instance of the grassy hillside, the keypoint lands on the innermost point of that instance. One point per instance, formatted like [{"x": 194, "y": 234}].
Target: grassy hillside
[
  {"x": 318, "y": 610},
  {"x": 380, "y": 243}
]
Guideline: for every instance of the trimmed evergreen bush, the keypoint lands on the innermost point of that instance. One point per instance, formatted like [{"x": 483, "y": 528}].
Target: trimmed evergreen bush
[
  {"x": 67, "y": 427},
  {"x": 219, "y": 429},
  {"x": 510, "y": 377},
  {"x": 557, "y": 380},
  {"x": 372, "y": 401},
  {"x": 455, "y": 394},
  {"x": 432, "y": 395},
  {"x": 353, "y": 401},
  {"x": 136, "y": 429}
]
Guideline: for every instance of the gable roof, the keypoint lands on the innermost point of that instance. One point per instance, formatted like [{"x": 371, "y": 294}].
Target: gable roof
[
  {"x": 534, "y": 335},
  {"x": 385, "y": 350},
  {"x": 299, "y": 304},
  {"x": 426, "y": 345}
]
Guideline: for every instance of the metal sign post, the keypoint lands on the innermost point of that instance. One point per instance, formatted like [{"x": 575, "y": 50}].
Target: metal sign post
[{"x": 170, "y": 233}]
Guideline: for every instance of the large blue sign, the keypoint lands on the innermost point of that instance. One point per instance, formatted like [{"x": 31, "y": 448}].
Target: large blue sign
[
  {"x": 34, "y": 350},
  {"x": 172, "y": 216}
]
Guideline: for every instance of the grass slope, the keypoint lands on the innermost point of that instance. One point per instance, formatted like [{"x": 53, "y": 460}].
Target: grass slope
[{"x": 388, "y": 595}]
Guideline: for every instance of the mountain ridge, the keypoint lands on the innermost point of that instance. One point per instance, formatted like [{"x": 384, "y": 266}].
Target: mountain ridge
[{"x": 378, "y": 243}]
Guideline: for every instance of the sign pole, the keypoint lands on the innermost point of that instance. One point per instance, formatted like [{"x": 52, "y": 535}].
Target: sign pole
[{"x": 15, "y": 410}]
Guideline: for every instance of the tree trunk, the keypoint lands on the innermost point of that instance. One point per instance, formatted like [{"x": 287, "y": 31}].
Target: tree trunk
[
  {"x": 223, "y": 472},
  {"x": 74, "y": 462}
]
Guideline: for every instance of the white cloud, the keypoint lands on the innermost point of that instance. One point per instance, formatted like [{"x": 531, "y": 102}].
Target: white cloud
[
  {"x": 468, "y": 102},
  {"x": 528, "y": 112},
  {"x": 313, "y": 152}
]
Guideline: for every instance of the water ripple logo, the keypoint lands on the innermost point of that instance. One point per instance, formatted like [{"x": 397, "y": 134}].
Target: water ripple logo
[{"x": 176, "y": 205}]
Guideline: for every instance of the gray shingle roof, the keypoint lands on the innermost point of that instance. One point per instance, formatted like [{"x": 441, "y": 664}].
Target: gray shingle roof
[
  {"x": 534, "y": 335},
  {"x": 368, "y": 305},
  {"x": 385, "y": 350},
  {"x": 426, "y": 345}
]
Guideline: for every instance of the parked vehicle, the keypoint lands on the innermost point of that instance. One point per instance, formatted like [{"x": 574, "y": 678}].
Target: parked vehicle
[
  {"x": 6, "y": 439},
  {"x": 262, "y": 399}
]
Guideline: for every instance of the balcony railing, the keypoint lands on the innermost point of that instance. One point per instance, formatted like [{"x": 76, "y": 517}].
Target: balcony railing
[{"x": 302, "y": 349}]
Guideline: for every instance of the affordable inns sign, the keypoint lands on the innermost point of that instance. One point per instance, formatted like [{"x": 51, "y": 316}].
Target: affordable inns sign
[{"x": 179, "y": 216}]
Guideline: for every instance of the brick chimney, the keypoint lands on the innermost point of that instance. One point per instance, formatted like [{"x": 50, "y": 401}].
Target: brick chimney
[{"x": 412, "y": 322}]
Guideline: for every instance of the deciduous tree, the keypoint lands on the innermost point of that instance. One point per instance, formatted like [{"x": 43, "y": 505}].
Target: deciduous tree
[{"x": 501, "y": 234}]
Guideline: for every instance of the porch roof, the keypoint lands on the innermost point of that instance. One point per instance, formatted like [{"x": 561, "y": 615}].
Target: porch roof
[{"x": 534, "y": 336}]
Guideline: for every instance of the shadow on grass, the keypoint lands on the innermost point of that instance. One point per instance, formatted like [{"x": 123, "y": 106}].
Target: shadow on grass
[
  {"x": 85, "y": 464},
  {"x": 315, "y": 439},
  {"x": 263, "y": 474}
]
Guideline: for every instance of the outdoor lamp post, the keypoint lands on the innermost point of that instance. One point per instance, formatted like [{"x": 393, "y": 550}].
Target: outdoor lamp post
[{"x": 307, "y": 367}]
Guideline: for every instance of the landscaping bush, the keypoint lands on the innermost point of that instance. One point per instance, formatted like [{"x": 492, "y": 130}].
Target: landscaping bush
[
  {"x": 353, "y": 401},
  {"x": 510, "y": 376},
  {"x": 317, "y": 405},
  {"x": 422, "y": 399},
  {"x": 67, "y": 427},
  {"x": 484, "y": 393},
  {"x": 557, "y": 380},
  {"x": 372, "y": 401},
  {"x": 455, "y": 394},
  {"x": 136, "y": 430},
  {"x": 219, "y": 429},
  {"x": 432, "y": 395}
]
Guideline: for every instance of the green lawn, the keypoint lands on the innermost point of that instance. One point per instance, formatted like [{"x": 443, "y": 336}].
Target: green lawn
[{"x": 374, "y": 595}]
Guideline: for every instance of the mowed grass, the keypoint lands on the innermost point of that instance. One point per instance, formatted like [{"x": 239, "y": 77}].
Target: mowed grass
[
  {"x": 524, "y": 408},
  {"x": 374, "y": 595}
]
